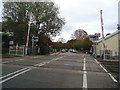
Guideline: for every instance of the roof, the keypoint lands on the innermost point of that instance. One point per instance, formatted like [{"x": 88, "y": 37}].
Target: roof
[{"x": 109, "y": 36}]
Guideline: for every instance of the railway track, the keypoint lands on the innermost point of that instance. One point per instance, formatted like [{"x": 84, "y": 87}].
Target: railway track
[{"x": 112, "y": 67}]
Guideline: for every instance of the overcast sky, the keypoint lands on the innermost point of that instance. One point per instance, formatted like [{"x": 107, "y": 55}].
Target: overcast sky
[
  {"x": 1, "y": 6},
  {"x": 85, "y": 14}
]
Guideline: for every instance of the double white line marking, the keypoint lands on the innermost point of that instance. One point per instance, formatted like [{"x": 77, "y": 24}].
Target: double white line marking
[
  {"x": 21, "y": 71},
  {"x": 13, "y": 74},
  {"x": 84, "y": 75}
]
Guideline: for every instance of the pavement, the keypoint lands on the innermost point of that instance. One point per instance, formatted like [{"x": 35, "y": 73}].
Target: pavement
[{"x": 63, "y": 70}]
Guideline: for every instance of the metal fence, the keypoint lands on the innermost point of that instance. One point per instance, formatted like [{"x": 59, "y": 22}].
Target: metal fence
[{"x": 17, "y": 50}]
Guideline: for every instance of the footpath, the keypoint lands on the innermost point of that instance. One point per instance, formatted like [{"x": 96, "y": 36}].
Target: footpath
[{"x": 12, "y": 56}]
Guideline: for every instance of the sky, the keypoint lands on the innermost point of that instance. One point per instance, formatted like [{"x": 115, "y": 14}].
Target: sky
[{"x": 85, "y": 14}]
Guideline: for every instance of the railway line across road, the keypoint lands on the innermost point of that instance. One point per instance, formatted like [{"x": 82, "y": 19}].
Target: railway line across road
[{"x": 65, "y": 70}]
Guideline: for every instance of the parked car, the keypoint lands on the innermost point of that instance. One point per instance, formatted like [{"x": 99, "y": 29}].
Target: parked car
[
  {"x": 63, "y": 50},
  {"x": 70, "y": 50},
  {"x": 74, "y": 51}
]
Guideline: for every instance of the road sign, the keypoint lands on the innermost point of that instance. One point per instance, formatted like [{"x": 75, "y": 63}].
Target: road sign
[
  {"x": 97, "y": 34},
  {"x": 35, "y": 39},
  {"x": 11, "y": 42},
  {"x": 10, "y": 33}
]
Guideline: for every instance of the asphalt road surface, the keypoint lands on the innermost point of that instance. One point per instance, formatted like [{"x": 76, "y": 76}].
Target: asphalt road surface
[{"x": 66, "y": 70}]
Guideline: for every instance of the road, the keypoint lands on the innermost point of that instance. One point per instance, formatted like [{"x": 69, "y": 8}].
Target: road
[{"x": 66, "y": 70}]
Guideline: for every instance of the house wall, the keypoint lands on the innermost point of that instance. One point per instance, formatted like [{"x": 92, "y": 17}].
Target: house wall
[{"x": 111, "y": 43}]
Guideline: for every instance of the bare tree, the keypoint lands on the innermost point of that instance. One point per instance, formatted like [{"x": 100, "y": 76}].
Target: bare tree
[{"x": 79, "y": 34}]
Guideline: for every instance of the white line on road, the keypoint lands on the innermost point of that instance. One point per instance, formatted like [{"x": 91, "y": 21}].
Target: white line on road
[
  {"x": 21, "y": 71},
  {"x": 14, "y": 76},
  {"x": 13, "y": 73},
  {"x": 43, "y": 63},
  {"x": 12, "y": 61},
  {"x": 106, "y": 71},
  {"x": 84, "y": 75}
]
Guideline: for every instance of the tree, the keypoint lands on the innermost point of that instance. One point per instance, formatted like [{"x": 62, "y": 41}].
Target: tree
[
  {"x": 79, "y": 34},
  {"x": 44, "y": 43},
  {"x": 5, "y": 43},
  {"x": 84, "y": 44},
  {"x": 62, "y": 40},
  {"x": 45, "y": 19},
  {"x": 70, "y": 44},
  {"x": 14, "y": 20},
  {"x": 56, "y": 45}
]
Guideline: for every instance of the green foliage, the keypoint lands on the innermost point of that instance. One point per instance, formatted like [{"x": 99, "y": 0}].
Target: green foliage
[
  {"x": 84, "y": 44},
  {"x": 5, "y": 43},
  {"x": 87, "y": 44},
  {"x": 44, "y": 50},
  {"x": 78, "y": 45},
  {"x": 70, "y": 44},
  {"x": 46, "y": 19},
  {"x": 56, "y": 45},
  {"x": 51, "y": 49},
  {"x": 44, "y": 43}
]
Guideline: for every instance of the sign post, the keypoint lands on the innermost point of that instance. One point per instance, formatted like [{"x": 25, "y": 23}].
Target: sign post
[
  {"x": 96, "y": 38},
  {"x": 34, "y": 39}
]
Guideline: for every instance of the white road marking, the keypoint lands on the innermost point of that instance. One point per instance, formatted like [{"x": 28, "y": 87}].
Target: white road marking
[
  {"x": 106, "y": 71},
  {"x": 35, "y": 57},
  {"x": 43, "y": 63},
  {"x": 84, "y": 75},
  {"x": 40, "y": 64},
  {"x": 21, "y": 71},
  {"x": 66, "y": 64},
  {"x": 84, "y": 64},
  {"x": 14, "y": 76},
  {"x": 13, "y": 73},
  {"x": 12, "y": 61}
]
